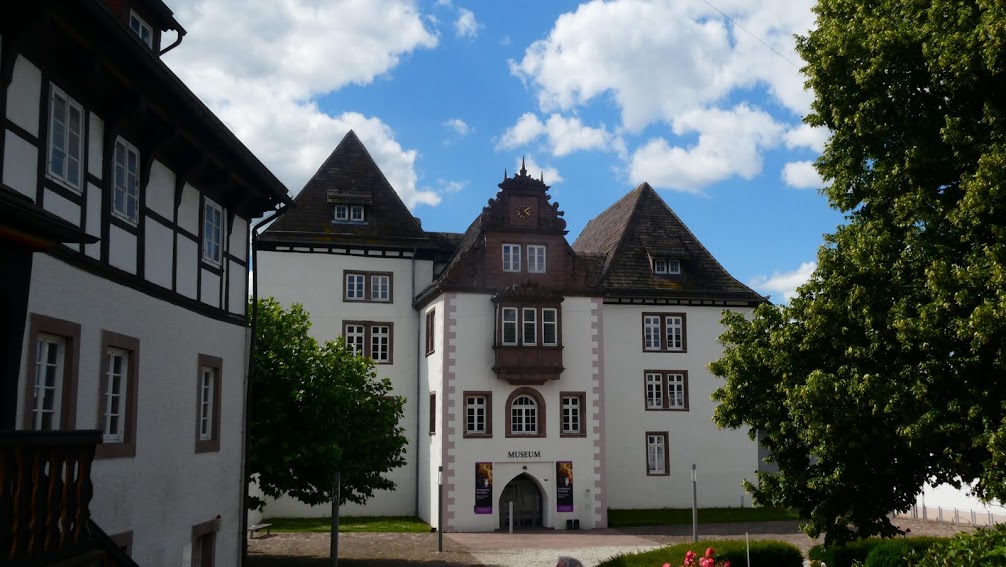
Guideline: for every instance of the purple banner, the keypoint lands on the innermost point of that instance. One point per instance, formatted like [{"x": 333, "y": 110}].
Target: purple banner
[
  {"x": 564, "y": 486},
  {"x": 483, "y": 488}
]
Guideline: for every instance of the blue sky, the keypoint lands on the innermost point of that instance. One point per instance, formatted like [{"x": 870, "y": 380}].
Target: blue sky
[{"x": 702, "y": 99}]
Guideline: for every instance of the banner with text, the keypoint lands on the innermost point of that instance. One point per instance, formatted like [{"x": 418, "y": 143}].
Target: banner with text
[
  {"x": 564, "y": 486},
  {"x": 483, "y": 488}
]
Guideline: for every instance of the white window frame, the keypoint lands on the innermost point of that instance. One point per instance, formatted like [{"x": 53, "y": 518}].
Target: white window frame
[
  {"x": 529, "y": 326},
  {"x": 654, "y": 390},
  {"x": 674, "y": 266},
  {"x": 341, "y": 212},
  {"x": 656, "y": 453},
  {"x": 356, "y": 286},
  {"x": 356, "y": 213},
  {"x": 356, "y": 338},
  {"x": 138, "y": 26},
  {"x": 380, "y": 287},
  {"x": 128, "y": 189},
  {"x": 524, "y": 410},
  {"x": 213, "y": 233},
  {"x": 63, "y": 136},
  {"x": 207, "y": 384},
  {"x": 571, "y": 412},
  {"x": 536, "y": 254},
  {"x": 676, "y": 390},
  {"x": 116, "y": 395},
  {"x": 511, "y": 257},
  {"x": 512, "y": 322},
  {"x": 652, "y": 332},
  {"x": 674, "y": 328},
  {"x": 476, "y": 414},
  {"x": 380, "y": 343},
  {"x": 546, "y": 324},
  {"x": 48, "y": 382}
]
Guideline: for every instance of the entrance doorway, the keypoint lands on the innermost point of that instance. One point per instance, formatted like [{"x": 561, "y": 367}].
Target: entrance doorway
[{"x": 523, "y": 491}]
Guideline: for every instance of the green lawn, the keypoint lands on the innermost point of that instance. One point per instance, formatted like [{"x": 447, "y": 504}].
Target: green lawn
[
  {"x": 396, "y": 524},
  {"x": 671, "y": 516}
]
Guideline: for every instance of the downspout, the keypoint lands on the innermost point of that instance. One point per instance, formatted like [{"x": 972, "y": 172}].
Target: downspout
[
  {"x": 178, "y": 40},
  {"x": 251, "y": 373}
]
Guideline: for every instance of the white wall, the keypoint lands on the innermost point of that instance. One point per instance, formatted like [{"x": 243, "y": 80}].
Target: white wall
[
  {"x": 316, "y": 281},
  {"x": 723, "y": 457},
  {"x": 166, "y": 488}
]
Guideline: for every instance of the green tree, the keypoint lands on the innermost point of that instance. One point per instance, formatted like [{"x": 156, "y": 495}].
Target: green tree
[
  {"x": 887, "y": 370},
  {"x": 317, "y": 409}
]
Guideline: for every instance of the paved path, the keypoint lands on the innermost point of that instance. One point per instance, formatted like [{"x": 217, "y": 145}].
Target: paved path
[{"x": 544, "y": 548}]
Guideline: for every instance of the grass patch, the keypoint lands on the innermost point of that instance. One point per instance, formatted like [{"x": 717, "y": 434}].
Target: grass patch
[
  {"x": 348, "y": 524},
  {"x": 675, "y": 516}
]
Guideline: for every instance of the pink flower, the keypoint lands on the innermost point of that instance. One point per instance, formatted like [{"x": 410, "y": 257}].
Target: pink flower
[
  {"x": 690, "y": 558},
  {"x": 710, "y": 552},
  {"x": 666, "y": 565},
  {"x": 726, "y": 564},
  {"x": 706, "y": 562}
]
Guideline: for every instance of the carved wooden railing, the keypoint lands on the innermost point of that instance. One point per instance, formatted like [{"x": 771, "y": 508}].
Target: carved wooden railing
[{"x": 45, "y": 495}]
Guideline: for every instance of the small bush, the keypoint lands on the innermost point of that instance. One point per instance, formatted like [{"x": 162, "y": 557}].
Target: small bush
[
  {"x": 763, "y": 552},
  {"x": 986, "y": 547},
  {"x": 844, "y": 555}
]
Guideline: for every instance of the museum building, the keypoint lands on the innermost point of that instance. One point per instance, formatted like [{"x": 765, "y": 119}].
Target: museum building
[{"x": 543, "y": 381}]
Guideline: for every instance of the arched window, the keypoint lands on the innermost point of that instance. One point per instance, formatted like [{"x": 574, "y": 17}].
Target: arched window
[{"x": 525, "y": 414}]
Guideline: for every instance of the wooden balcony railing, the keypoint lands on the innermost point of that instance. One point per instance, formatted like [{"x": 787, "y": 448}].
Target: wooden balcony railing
[{"x": 45, "y": 495}]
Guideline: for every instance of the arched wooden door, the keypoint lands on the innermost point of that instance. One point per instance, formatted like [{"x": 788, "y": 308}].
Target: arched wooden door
[{"x": 523, "y": 491}]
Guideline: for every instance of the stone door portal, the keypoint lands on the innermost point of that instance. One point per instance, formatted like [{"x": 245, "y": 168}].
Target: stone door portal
[{"x": 527, "y": 504}]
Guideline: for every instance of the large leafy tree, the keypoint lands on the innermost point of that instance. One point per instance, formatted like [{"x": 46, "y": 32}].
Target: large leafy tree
[
  {"x": 318, "y": 409},
  {"x": 889, "y": 368}
]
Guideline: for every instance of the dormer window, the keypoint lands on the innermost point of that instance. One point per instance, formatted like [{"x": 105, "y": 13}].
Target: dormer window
[
  {"x": 349, "y": 213},
  {"x": 666, "y": 267},
  {"x": 141, "y": 29}
]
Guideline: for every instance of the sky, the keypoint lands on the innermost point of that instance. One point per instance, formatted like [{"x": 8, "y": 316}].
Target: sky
[{"x": 702, "y": 99}]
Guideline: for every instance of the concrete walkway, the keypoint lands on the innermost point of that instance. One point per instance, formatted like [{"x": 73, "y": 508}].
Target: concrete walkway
[{"x": 522, "y": 549}]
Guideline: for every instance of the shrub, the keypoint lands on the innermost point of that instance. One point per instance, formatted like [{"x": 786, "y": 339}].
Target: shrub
[
  {"x": 844, "y": 555},
  {"x": 900, "y": 552},
  {"x": 986, "y": 547},
  {"x": 763, "y": 552}
]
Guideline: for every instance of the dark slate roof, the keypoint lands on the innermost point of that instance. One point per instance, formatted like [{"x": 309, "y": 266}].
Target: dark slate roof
[
  {"x": 349, "y": 175},
  {"x": 641, "y": 226}
]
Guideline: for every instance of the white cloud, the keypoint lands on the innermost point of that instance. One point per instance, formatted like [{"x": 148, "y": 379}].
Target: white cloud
[
  {"x": 802, "y": 175},
  {"x": 806, "y": 136},
  {"x": 451, "y": 186},
  {"x": 466, "y": 25},
  {"x": 730, "y": 143},
  {"x": 564, "y": 135},
  {"x": 550, "y": 174},
  {"x": 785, "y": 283},
  {"x": 289, "y": 65},
  {"x": 458, "y": 126}
]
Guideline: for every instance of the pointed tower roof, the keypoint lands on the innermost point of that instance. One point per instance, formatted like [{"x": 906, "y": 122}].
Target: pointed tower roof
[
  {"x": 640, "y": 228},
  {"x": 349, "y": 177}
]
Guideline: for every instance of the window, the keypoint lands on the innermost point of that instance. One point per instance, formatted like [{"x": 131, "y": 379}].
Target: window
[
  {"x": 51, "y": 401},
  {"x": 666, "y": 266},
  {"x": 208, "y": 404},
  {"x": 204, "y": 543},
  {"x": 478, "y": 414},
  {"x": 525, "y": 413},
  {"x": 509, "y": 326},
  {"x": 572, "y": 414},
  {"x": 126, "y": 181},
  {"x": 368, "y": 338},
  {"x": 66, "y": 149},
  {"x": 433, "y": 413},
  {"x": 511, "y": 257},
  {"x": 117, "y": 395},
  {"x": 664, "y": 332},
  {"x": 349, "y": 213},
  {"x": 529, "y": 326},
  {"x": 549, "y": 326},
  {"x": 368, "y": 286},
  {"x": 536, "y": 258},
  {"x": 666, "y": 390},
  {"x": 656, "y": 454},
  {"x": 141, "y": 29},
  {"x": 213, "y": 232},
  {"x": 431, "y": 329}
]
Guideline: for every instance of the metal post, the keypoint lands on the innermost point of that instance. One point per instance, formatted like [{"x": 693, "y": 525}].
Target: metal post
[
  {"x": 334, "y": 549},
  {"x": 440, "y": 508},
  {"x": 695, "y": 506}
]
